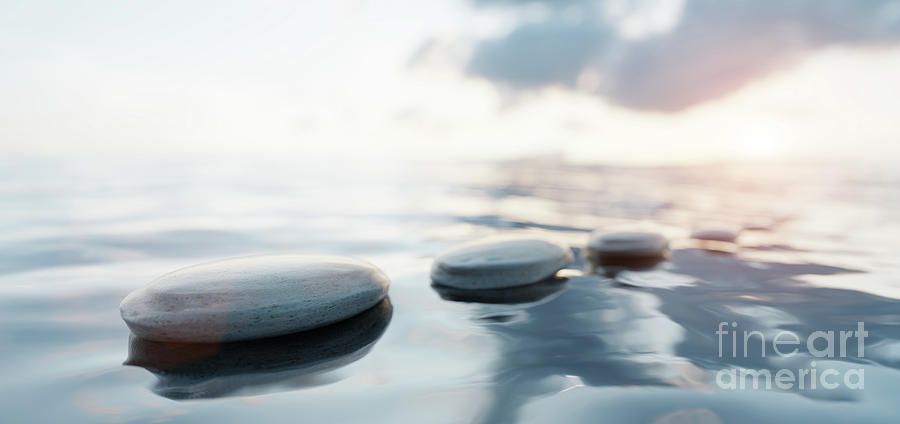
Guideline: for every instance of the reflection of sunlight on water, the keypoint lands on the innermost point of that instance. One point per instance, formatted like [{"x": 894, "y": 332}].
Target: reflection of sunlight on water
[{"x": 766, "y": 316}]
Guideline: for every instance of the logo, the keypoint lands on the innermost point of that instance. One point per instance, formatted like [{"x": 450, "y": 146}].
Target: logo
[{"x": 755, "y": 345}]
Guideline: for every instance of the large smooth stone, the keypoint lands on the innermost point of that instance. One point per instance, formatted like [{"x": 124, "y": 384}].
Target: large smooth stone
[
  {"x": 498, "y": 262},
  {"x": 252, "y": 297}
]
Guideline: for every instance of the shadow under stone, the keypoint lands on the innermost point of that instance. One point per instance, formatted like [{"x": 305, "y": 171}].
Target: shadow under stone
[{"x": 509, "y": 295}]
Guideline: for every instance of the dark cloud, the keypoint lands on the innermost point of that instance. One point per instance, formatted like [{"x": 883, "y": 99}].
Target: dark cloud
[
  {"x": 538, "y": 54},
  {"x": 709, "y": 49}
]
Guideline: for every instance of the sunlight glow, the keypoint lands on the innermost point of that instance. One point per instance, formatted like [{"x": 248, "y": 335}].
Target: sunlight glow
[{"x": 760, "y": 144}]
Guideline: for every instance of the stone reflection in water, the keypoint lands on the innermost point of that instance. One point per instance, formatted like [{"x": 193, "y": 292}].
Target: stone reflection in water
[
  {"x": 591, "y": 334},
  {"x": 513, "y": 295},
  {"x": 610, "y": 268},
  {"x": 634, "y": 256},
  {"x": 209, "y": 370}
]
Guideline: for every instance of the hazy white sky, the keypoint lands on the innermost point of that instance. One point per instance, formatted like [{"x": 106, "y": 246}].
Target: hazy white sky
[{"x": 616, "y": 81}]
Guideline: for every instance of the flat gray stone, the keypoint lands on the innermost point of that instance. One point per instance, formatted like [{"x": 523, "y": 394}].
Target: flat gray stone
[
  {"x": 498, "y": 262},
  {"x": 627, "y": 244},
  {"x": 252, "y": 297}
]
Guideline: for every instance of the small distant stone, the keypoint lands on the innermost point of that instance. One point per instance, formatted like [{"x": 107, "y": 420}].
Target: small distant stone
[
  {"x": 498, "y": 262},
  {"x": 759, "y": 224},
  {"x": 723, "y": 235},
  {"x": 252, "y": 297},
  {"x": 627, "y": 244}
]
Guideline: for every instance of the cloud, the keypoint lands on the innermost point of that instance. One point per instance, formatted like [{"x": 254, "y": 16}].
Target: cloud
[{"x": 667, "y": 55}]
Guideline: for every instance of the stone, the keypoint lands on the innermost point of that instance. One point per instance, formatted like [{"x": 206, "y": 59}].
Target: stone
[
  {"x": 627, "y": 244},
  {"x": 723, "y": 235},
  {"x": 499, "y": 262},
  {"x": 759, "y": 224},
  {"x": 252, "y": 297}
]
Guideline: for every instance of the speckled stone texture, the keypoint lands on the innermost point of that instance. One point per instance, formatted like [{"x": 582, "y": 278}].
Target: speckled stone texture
[
  {"x": 498, "y": 262},
  {"x": 252, "y": 297}
]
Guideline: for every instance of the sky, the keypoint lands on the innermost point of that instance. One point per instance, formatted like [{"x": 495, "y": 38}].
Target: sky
[{"x": 615, "y": 81}]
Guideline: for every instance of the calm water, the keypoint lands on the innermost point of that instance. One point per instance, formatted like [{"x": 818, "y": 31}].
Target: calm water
[{"x": 634, "y": 346}]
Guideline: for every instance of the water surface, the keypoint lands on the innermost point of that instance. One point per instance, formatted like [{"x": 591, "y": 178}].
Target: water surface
[{"x": 818, "y": 253}]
